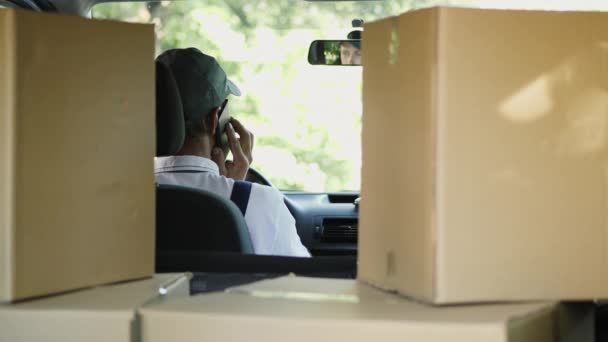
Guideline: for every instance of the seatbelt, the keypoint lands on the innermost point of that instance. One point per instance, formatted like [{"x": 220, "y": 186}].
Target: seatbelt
[
  {"x": 240, "y": 191},
  {"x": 240, "y": 195}
]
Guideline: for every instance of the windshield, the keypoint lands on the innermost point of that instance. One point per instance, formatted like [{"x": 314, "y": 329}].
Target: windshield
[{"x": 306, "y": 119}]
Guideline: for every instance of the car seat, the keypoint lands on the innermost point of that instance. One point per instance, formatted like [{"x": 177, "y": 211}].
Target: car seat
[{"x": 190, "y": 219}]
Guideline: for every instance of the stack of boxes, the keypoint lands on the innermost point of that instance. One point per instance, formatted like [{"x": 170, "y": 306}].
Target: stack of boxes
[
  {"x": 484, "y": 188},
  {"x": 76, "y": 178}
]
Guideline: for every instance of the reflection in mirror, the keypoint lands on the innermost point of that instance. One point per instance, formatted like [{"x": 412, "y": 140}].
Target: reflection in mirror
[{"x": 335, "y": 52}]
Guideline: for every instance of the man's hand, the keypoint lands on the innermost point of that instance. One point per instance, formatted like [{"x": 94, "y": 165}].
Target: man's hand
[{"x": 241, "y": 149}]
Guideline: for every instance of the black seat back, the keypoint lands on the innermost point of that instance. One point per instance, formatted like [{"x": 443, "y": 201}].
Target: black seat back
[
  {"x": 195, "y": 220},
  {"x": 170, "y": 124}
]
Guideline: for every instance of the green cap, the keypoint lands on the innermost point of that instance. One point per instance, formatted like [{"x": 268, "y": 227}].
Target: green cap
[{"x": 201, "y": 81}]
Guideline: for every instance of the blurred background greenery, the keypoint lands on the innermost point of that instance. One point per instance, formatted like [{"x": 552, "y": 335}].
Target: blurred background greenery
[{"x": 332, "y": 52}]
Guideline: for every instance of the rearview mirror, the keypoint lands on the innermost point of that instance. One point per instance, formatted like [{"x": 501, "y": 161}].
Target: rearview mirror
[{"x": 335, "y": 52}]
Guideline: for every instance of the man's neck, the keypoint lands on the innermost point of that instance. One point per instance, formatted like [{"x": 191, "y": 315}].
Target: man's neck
[{"x": 196, "y": 147}]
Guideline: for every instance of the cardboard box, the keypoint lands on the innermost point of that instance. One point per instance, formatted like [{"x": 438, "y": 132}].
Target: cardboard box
[
  {"x": 77, "y": 142},
  {"x": 107, "y": 313},
  {"x": 484, "y": 171},
  {"x": 305, "y": 309}
]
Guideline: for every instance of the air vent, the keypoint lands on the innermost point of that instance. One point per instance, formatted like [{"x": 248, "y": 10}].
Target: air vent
[
  {"x": 342, "y": 198},
  {"x": 339, "y": 230}
]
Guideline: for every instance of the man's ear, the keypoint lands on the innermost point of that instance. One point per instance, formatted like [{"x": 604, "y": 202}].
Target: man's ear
[{"x": 213, "y": 121}]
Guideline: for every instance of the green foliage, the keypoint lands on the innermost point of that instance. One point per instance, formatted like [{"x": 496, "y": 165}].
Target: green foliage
[{"x": 332, "y": 52}]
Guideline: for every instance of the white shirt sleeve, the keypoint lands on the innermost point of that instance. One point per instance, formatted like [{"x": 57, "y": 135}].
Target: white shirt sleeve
[
  {"x": 287, "y": 241},
  {"x": 271, "y": 226}
]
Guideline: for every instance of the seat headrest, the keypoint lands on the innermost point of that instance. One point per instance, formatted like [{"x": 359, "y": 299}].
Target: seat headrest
[{"x": 170, "y": 125}]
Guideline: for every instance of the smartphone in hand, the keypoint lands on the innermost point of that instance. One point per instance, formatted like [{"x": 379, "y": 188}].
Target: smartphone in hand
[{"x": 221, "y": 139}]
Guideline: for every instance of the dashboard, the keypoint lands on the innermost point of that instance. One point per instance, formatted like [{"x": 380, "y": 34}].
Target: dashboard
[{"x": 327, "y": 223}]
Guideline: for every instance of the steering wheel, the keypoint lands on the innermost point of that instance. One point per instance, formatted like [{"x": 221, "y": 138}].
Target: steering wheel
[{"x": 255, "y": 176}]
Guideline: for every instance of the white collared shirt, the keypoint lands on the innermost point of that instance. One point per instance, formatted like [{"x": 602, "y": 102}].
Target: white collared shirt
[{"x": 271, "y": 226}]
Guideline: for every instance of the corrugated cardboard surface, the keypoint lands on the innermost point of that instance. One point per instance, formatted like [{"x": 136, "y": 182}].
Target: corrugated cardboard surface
[
  {"x": 407, "y": 256},
  {"x": 305, "y": 309},
  {"x": 7, "y": 105},
  {"x": 534, "y": 146},
  {"x": 518, "y": 110},
  {"x": 106, "y": 313},
  {"x": 79, "y": 188}
]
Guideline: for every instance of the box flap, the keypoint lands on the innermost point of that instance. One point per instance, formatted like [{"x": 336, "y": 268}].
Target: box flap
[
  {"x": 241, "y": 311},
  {"x": 313, "y": 289},
  {"x": 105, "y": 313}
]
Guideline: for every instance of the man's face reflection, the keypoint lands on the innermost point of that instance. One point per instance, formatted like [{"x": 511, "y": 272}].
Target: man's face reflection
[{"x": 350, "y": 54}]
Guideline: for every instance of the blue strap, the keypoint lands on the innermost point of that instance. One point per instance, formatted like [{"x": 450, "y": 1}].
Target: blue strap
[{"x": 240, "y": 195}]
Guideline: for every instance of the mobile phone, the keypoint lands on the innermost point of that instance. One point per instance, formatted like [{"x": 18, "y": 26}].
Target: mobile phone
[{"x": 221, "y": 139}]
